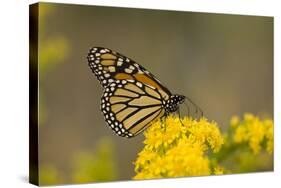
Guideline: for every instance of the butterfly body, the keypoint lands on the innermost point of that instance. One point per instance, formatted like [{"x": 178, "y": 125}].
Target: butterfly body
[
  {"x": 132, "y": 96},
  {"x": 172, "y": 105}
]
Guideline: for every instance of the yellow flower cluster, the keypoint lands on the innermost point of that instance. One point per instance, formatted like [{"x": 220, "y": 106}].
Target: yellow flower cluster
[
  {"x": 175, "y": 148},
  {"x": 97, "y": 166},
  {"x": 253, "y": 131}
]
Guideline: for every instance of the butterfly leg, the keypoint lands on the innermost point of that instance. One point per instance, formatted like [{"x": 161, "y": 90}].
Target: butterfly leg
[
  {"x": 163, "y": 123},
  {"x": 188, "y": 110},
  {"x": 178, "y": 112}
]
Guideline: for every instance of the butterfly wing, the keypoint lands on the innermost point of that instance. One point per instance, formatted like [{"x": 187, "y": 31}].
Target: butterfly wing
[
  {"x": 109, "y": 66},
  {"x": 130, "y": 106}
]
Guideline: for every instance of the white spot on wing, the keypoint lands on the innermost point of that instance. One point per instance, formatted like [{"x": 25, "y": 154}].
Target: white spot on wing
[
  {"x": 119, "y": 63},
  {"x": 111, "y": 69},
  {"x": 139, "y": 84},
  {"x": 128, "y": 70}
]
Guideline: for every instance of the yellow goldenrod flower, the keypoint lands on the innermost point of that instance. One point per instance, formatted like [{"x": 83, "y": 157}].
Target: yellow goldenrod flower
[
  {"x": 241, "y": 134},
  {"x": 187, "y": 159},
  {"x": 163, "y": 136},
  {"x": 187, "y": 147},
  {"x": 207, "y": 133},
  {"x": 175, "y": 148},
  {"x": 254, "y": 131}
]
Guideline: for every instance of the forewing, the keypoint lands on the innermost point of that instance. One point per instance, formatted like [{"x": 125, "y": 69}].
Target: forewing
[{"x": 109, "y": 66}]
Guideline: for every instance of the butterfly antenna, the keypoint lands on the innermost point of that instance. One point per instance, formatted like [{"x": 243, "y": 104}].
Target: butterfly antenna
[{"x": 198, "y": 109}]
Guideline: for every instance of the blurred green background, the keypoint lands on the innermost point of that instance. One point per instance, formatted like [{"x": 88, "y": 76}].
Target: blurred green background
[{"x": 223, "y": 62}]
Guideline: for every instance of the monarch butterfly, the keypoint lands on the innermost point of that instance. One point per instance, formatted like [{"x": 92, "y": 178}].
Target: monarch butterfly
[{"x": 132, "y": 96}]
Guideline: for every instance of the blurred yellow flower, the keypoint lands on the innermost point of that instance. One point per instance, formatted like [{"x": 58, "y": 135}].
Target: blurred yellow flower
[
  {"x": 269, "y": 135},
  {"x": 52, "y": 50},
  {"x": 175, "y": 148},
  {"x": 234, "y": 121},
  {"x": 240, "y": 134},
  {"x": 254, "y": 132},
  {"x": 96, "y": 166},
  {"x": 49, "y": 175},
  {"x": 218, "y": 170}
]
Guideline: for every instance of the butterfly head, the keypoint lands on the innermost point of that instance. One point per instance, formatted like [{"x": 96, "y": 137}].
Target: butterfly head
[{"x": 172, "y": 104}]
